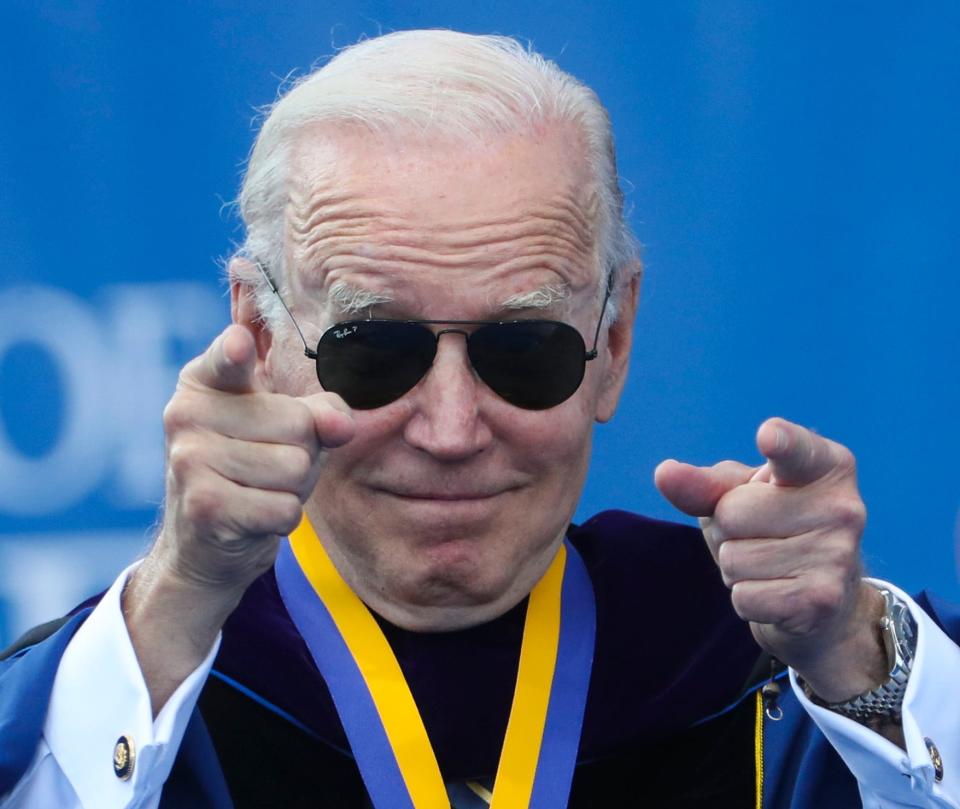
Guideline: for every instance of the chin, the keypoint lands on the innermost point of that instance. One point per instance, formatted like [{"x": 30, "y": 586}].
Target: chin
[
  {"x": 451, "y": 576},
  {"x": 442, "y": 617},
  {"x": 452, "y": 585}
]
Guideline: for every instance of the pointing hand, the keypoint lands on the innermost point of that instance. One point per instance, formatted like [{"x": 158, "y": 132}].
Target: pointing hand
[
  {"x": 241, "y": 461},
  {"x": 786, "y": 538}
]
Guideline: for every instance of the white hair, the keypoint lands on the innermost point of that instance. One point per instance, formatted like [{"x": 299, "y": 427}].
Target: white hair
[{"x": 437, "y": 81}]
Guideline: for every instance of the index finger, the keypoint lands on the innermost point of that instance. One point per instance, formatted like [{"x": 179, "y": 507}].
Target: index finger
[
  {"x": 798, "y": 456},
  {"x": 229, "y": 363}
]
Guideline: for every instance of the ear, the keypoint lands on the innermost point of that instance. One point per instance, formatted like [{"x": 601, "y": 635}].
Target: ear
[
  {"x": 243, "y": 305},
  {"x": 619, "y": 342}
]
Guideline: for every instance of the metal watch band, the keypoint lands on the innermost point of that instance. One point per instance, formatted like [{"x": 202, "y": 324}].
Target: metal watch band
[
  {"x": 885, "y": 701},
  {"x": 899, "y": 631}
]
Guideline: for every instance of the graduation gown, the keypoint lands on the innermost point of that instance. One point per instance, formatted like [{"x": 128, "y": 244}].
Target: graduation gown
[{"x": 673, "y": 716}]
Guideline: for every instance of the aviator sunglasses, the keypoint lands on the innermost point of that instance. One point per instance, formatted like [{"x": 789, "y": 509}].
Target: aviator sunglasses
[{"x": 533, "y": 364}]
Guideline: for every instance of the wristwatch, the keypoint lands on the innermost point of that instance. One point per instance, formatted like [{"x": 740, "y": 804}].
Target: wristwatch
[{"x": 899, "y": 631}]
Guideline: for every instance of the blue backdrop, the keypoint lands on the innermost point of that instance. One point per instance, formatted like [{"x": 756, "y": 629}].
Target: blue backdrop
[{"x": 792, "y": 169}]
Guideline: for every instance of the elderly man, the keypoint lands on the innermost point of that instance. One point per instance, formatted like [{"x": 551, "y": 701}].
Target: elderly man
[{"x": 366, "y": 575}]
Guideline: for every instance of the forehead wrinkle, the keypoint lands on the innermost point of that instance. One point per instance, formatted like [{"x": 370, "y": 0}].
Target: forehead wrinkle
[
  {"x": 322, "y": 206},
  {"x": 542, "y": 225},
  {"x": 329, "y": 244},
  {"x": 331, "y": 228},
  {"x": 311, "y": 208},
  {"x": 408, "y": 262},
  {"x": 340, "y": 221},
  {"x": 581, "y": 219},
  {"x": 323, "y": 212},
  {"x": 562, "y": 217}
]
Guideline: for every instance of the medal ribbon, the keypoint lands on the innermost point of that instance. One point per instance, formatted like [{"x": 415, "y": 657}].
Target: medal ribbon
[{"x": 378, "y": 712}]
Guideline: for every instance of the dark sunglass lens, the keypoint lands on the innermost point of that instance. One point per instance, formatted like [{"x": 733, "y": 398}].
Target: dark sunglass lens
[
  {"x": 371, "y": 363},
  {"x": 532, "y": 364}
]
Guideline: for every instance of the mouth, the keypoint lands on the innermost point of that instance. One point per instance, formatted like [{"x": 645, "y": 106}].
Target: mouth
[
  {"x": 463, "y": 494},
  {"x": 470, "y": 495},
  {"x": 450, "y": 497}
]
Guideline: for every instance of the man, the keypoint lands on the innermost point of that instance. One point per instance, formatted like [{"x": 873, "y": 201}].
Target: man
[{"x": 440, "y": 213}]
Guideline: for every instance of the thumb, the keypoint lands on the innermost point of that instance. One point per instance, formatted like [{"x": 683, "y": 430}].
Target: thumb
[
  {"x": 696, "y": 490},
  {"x": 332, "y": 418}
]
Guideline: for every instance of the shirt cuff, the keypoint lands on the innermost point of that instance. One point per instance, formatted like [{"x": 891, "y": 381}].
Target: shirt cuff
[
  {"x": 889, "y": 776},
  {"x": 99, "y": 695}
]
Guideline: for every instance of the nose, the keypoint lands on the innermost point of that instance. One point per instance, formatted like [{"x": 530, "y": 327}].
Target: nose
[{"x": 447, "y": 421}]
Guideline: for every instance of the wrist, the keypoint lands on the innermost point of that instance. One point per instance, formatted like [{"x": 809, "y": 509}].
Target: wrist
[
  {"x": 158, "y": 597},
  {"x": 172, "y": 625},
  {"x": 880, "y": 707},
  {"x": 857, "y": 661}
]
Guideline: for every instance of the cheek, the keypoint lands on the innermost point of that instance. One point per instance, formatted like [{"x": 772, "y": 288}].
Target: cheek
[
  {"x": 378, "y": 439},
  {"x": 552, "y": 445},
  {"x": 554, "y": 441}
]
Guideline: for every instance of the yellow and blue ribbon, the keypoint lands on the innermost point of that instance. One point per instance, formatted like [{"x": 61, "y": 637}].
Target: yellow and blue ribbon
[{"x": 378, "y": 712}]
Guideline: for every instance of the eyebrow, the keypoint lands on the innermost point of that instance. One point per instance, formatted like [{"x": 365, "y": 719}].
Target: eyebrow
[
  {"x": 351, "y": 300},
  {"x": 543, "y": 297}
]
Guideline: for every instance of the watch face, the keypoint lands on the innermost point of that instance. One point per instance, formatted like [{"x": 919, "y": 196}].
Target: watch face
[
  {"x": 903, "y": 633},
  {"x": 899, "y": 632}
]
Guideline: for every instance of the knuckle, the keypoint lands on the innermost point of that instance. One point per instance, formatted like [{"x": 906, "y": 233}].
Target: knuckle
[
  {"x": 826, "y": 596},
  {"x": 287, "y": 513},
  {"x": 298, "y": 464},
  {"x": 850, "y": 512},
  {"x": 743, "y": 601},
  {"x": 847, "y": 561},
  {"x": 302, "y": 423},
  {"x": 181, "y": 459},
  {"x": 712, "y": 539},
  {"x": 724, "y": 513},
  {"x": 176, "y": 415},
  {"x": 334, "y": 401},
  {"x": 846, "y": 460},
  {"x": 187, "y": 379},
  {"x": 184, "y": 378},
  {"x": 713, "y": 534},
  {"x": 734, "y": 512},
  {"x": 728, "y": 560},
  {"x": 201, "y": 503},
  {"x": 796, "y": 612}
]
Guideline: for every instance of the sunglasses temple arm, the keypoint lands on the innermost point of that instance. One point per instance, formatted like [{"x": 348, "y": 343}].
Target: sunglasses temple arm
[
  {"x": 266, "y": 276},
  {"x": 592, "y": 353}
]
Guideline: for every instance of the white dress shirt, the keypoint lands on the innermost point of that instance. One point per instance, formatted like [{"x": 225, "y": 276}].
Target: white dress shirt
[
  {"x": 891, "y": 778},
  {"x": 99, "y": 695}
]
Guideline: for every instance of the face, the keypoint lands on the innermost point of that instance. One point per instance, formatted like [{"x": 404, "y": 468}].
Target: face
[{"x": 450, "y": 503}]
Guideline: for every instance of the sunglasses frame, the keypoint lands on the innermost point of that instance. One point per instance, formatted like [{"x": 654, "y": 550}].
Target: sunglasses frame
[{"x": 312, "y": 354}]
